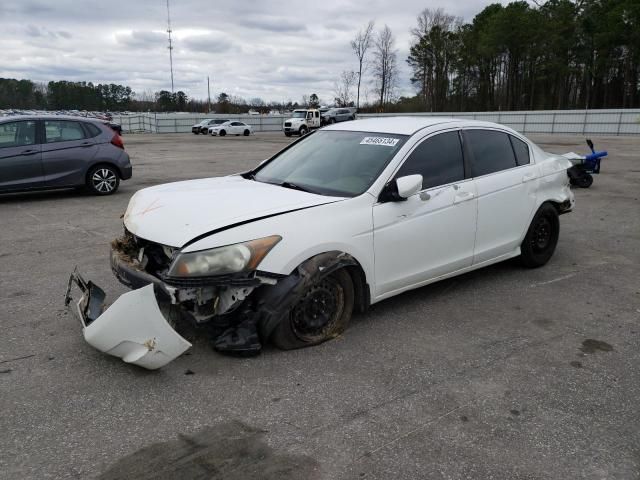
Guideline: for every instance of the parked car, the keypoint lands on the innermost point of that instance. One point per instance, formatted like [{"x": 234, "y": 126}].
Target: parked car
[
  {"x": 43, "y": 152},
  {"x": 203, "y": 126},
  {"x": 231, "y": 128},
  {"x": 287, "y": 254},
  {"x": 334, "y": 115}
]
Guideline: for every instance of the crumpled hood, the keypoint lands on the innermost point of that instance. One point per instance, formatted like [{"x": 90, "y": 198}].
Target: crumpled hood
[{"x": 174, "y": 213}]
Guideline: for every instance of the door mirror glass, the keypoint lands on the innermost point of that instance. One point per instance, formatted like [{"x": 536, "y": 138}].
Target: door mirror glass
[{"x": 409, "y": 185}]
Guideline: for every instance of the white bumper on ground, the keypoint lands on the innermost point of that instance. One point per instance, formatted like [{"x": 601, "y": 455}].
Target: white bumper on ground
[{"x": 134, "y": 329}]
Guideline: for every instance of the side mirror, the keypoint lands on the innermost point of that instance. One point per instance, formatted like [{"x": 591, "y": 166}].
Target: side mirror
[
  {"x": 409, "y": 185},
  {"x": 401, "y": 188}
]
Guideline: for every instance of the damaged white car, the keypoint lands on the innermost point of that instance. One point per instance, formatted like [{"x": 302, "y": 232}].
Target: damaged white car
[{"x": 343, "y": 218}]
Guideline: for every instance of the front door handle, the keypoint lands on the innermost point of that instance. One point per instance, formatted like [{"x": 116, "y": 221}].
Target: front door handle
[
  {"x": 28, "y": 152},
  {"x": 86, "y": 144},
  {"x": 463, "y": 197}
]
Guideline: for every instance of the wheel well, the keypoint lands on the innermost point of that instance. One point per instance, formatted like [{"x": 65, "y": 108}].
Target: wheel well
[
  {"x": 361, "y": 290},
  {"x": 101, "y": 164}
]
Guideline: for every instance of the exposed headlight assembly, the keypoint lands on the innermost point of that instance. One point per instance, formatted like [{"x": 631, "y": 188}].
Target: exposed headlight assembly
[{"x": 240, "y": 257}]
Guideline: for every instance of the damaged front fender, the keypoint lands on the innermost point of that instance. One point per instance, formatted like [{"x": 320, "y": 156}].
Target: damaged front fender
[
  {"x": 273, "y": 303},
  {"x": 133, "y": 328}
]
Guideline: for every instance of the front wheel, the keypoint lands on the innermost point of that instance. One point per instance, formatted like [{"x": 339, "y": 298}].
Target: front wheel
[
  {"x": 303, "y": 131},
  {"x": 287, "y": 134},
  {"x": 102, "y": 180},
  {"x": 542, "y": 237},
  {"x": 222, "y": 133},
  {"x": 322, "y": 313},
  {"x": 246, "y": 133}
]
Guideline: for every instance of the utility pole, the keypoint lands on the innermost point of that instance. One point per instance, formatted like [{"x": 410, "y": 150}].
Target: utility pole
[
  {"x": 208, "y": 93},
  {"x": 170, "y": 45}
]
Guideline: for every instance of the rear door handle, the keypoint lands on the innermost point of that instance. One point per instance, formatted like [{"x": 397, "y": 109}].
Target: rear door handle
[
  {"x": 528, "y": 177},
  {"x": 28, "y": 152},
  {"x": 463, "y": 197}
]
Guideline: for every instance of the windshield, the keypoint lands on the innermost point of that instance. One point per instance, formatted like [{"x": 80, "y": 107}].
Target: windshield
[
  {"x": 299, "y": 115},
  {"x": 335, "y": 163}
]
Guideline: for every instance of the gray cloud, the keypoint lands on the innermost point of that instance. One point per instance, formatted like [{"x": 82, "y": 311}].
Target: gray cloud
[{"x": 254, "y": 48}]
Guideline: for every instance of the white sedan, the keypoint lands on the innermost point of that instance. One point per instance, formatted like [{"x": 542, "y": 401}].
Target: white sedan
[
  {"x": 345, "y": 217},
  {"x": 231, "y": 128}
]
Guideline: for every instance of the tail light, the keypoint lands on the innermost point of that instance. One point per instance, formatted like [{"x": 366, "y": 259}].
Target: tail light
[{"x": 117, "y": 141}]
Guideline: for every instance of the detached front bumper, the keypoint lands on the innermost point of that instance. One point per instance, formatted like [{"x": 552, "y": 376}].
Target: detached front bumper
[{"x": 133, "y": 328}]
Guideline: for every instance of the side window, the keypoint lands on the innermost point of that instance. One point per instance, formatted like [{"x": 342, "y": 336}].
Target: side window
[
  {"x": 236, "y": 124},
  {"x": 93, "y": 130},
  {"x": 62, "y": 131},
  {"x": 491, "y": 151},
  {"x": 522, "y": 151},
  {"x": 17, "y": 134},
  {"x": 438, "y": 159}
]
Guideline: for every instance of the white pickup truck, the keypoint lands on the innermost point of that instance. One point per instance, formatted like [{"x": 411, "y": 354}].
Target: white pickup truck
[{"x": 301, "y": 121}]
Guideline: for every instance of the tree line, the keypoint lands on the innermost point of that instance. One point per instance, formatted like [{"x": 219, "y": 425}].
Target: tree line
[{"x": 560, "y": 54}]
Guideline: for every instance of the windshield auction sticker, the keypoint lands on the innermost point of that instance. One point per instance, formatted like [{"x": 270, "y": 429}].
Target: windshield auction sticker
[{"x": 384, "y": 141}]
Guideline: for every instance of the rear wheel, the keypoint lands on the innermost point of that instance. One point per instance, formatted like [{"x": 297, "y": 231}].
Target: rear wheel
[
  {"x": 322, "y": 313},
  {"x": 584, "y": 181},
  {"x": 102, "y": 180},
  {"x": 542, "y": 237}
]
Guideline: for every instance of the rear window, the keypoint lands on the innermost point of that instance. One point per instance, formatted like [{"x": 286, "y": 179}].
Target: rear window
[
  {"x": 93, "y": 130},
  {"x": 62, "y": 131},
  {"x": 521, "y": 150},
  {"x": 491, "y": 151}
]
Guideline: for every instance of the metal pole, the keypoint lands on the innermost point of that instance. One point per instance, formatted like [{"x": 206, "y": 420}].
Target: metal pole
[
  {"x": 170, "y": 45},
  {"x": 209, "y": 94}
]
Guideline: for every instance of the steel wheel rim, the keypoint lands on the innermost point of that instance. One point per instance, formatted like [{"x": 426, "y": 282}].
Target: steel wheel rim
[
  {"x": 317, "y": 313},
  {"x": 541, "y": 237},
  {"x": 104, "y": 180}
]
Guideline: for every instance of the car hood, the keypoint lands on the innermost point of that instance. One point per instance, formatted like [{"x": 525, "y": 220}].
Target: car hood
[{"x": 174, "y": 213}]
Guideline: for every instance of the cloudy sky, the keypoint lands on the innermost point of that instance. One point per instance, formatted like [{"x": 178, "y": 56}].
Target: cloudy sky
[{"x": 272, "y": 49}]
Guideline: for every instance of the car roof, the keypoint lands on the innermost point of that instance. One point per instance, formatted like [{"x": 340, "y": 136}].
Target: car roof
[
  {"x": 50, "y": 117},
  {"x": 406, "y": 125}
]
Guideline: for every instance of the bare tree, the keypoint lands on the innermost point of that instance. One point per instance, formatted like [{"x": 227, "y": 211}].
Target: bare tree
[
  {"x": 360, "y": 44},
  {"x": 342, "y": 88},
  {"x": 384, "y": 65}
]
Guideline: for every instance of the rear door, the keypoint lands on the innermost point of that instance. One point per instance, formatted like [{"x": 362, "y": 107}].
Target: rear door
[
  {"x": 506, "y": 191},
  {"x": 431, "y": 233},
  {"x": 67, "y": 151},
  {"x": 20, "y": 156}
]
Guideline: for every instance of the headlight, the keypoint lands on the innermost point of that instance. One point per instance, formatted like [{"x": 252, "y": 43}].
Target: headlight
[{"x": 236, "y": 258}]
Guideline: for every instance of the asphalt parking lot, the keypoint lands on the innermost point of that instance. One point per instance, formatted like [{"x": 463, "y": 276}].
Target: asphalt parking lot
[{"x": 502, "y": 373}]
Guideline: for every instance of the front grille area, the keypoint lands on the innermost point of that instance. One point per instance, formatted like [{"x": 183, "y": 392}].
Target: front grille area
[{"x": 287, "y": 124}]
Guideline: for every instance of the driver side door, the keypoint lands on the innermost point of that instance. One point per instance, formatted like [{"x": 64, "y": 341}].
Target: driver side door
[{"x": 431, "y": 233}]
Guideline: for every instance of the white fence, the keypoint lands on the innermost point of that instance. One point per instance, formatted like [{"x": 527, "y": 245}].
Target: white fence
[{"x": 581, "y": 122}]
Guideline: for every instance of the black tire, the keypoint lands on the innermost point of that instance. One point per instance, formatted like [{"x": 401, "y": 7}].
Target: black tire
[
  {"x": 102, "y": 180},
  {"x": 222, "y": 133},
  {"x": 287, "y": 134},
  {"x": 195, "y": 133},
  {"x": 584, "y": 181},
  {"x": 542, "y": 237},
  {"x": 332, "y": 121},
  {"x": 315, "y": 318},
  {"x": 303, "y": 130},
  {"x": 247, "y": 133}
]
